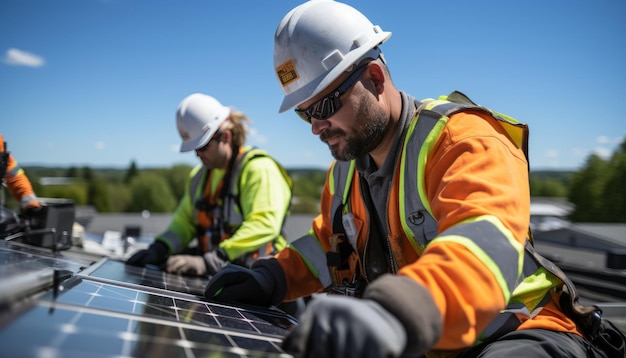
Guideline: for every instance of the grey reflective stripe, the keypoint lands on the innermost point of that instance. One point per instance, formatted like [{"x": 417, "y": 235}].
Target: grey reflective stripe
[
  {"x": 193, "y": 188},
  {"x": 173, "y": 239},
  {"x": 449, "y": 108},
  {"x": 13, "y": 172},
  {"x": 421, "y": 223},
  {"x": 233, "y": 218},
  {"x": 341, "y": 171},
  {"x": 494, "y": 243},
  {"x": 26, "y": 199},
  {"x": 313, "y": 254}
]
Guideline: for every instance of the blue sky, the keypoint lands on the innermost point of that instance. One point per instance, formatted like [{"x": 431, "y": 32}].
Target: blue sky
[{"x": 97, "y": 82}]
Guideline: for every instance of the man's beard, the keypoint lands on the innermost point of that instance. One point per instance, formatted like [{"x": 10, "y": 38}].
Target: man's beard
[{"x": 372, "y": 127}]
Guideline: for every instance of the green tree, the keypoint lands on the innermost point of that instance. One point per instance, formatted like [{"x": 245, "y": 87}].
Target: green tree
[
  {"x": 76, "y": 192},
  {"x": 547, "y": 187},
  {"x": 87, "y": 174},
  {"x": 72, "y": 172},
  {"x": 614, "y": 193},
  {"x": 176, "y": 178},
  {"x": 120, "y": 197},
  {"x": 586, "y": 190},
  {"x": 98, "y": 196},
  {"x": 151, "y": 192},
  {"x": 131, "y": 173},
  {"x": 304, "y": 205}
]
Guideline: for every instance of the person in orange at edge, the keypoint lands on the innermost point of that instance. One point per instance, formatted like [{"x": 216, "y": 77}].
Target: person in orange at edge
[
  {"x": 17, "y": 182},
  {"x": 422, "y": 244}
]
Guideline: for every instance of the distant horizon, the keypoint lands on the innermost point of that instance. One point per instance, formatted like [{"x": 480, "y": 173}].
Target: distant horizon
[{"x": 140, "y": 167}]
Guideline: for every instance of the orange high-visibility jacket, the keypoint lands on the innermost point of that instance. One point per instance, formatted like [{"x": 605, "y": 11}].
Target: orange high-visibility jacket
[
  {"x": 18, "y": 183},
  {"x": 458, "y": 216}
]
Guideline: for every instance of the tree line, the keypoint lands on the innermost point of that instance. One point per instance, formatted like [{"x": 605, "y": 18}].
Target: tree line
[
  {"x": 157, "y": 190},
  {"x": 596, "y": 190}
]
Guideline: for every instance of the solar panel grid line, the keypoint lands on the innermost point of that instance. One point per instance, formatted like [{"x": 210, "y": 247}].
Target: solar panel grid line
[
  {"x": 109, "y": 309},
  {"x": 116, "y": 271},
  {"x": 135, "y": 286},
  {"x": 60, "y": 257},
  {"x": 232, "y": 336},
  {"x": 169, "y": 306},
  {"x": 52, "y": 306},
  {"x": 135, "y": 342}
]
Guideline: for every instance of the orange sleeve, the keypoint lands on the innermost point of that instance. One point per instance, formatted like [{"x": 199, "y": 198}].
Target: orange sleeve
[
  {"x": 473, "y": 170},
  {"x": 18, "y": 184}
]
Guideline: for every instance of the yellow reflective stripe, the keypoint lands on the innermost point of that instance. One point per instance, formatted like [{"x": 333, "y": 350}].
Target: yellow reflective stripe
[
  {"x": 484, "y": 258},
  {"x": 331, "y": 178},
  {"x": 432, "y": 103},
  {"x": 348, "y": 182},
  {"x": 427, "y": 147}
]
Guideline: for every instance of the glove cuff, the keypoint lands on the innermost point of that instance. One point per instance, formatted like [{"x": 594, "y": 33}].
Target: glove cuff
[
  {"x": 413, "y": 305},
  {"x": 160, "y": 248},
  {"x": 270, "y": 267},
  {"x": 221, "y": 253}
]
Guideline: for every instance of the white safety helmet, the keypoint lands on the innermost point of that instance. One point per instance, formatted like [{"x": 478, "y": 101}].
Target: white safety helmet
[
  {"x": 316, "y": 42},
  {"x": 197, "y": 118}
]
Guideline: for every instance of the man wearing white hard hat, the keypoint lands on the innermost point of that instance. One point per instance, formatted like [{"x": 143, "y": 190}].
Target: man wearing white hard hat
[
  {"x": 235, "y": 200},
  {"x": 422, "y": 243}
]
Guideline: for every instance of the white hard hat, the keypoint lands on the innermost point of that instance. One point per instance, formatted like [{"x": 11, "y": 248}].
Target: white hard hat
[
  {"x": 197, "y": 118},
  {"x": 316, "y": 42}
]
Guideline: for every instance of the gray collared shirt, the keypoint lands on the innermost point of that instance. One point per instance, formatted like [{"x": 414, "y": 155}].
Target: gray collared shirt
[{"x": 380, "y": 179}]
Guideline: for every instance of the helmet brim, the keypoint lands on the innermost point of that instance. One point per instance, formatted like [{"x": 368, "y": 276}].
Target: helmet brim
[
  {"x": 317, "y": 85},
  {"x": 201, "y": 141}
]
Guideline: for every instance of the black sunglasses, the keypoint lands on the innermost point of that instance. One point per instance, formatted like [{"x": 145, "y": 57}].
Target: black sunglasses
[
  {"x": 206, "y": 146},
  {"x": 327, "y": 106}
]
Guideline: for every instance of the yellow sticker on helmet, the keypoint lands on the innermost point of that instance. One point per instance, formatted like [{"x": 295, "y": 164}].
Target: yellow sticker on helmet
[{"x": 287, "y": 73}]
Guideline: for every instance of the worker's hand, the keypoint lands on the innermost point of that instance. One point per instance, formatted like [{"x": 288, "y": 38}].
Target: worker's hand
[
  {"x": 32, "y": 211},
  {"x": 186, "y": 264},
  {"x": 215, "y": 260},
  {"x": 156, "y": 254},
  {"x": 234, "y": 283},
  {"x": 339, "y": 326}
]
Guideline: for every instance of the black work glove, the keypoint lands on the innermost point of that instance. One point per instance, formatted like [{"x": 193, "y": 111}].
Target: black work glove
[
  {"x": 32, "y": 211},
  {"x": 340, "y": 326},
  {"x": 155, "y": 254},
  {"x": 263, "y": 285},
  {"x": 35, "y": 216}
]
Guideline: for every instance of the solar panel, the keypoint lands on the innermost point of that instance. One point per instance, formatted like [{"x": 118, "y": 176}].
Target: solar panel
[
  {"x": 108, "y": 309},
  {"x": 117, "y": 272}
]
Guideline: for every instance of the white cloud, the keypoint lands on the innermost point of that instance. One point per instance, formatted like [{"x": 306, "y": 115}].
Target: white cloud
[
  {"x": 603, "y": 140},
  {"x": 100, "y": 145},
  {"x": 552, "y": 154},
  {"x": 175, "y": 148},
  {"x": 603, "y": 152},
  {"x": 15, "y": 57}
]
